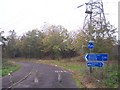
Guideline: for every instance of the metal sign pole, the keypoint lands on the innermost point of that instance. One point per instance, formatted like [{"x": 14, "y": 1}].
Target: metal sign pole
[
  {"x": 90, "y": 27},
  {"x": 0, "y": 61},
  {"x": 1, "y": 66},
  {"x": 90, "y": 67}
]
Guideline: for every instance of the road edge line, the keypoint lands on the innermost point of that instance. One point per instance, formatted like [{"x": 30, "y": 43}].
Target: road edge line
[{"x": 19, "y": 81}]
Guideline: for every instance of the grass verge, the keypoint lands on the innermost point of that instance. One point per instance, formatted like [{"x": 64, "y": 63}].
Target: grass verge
[{"x": 8, "y": 66}]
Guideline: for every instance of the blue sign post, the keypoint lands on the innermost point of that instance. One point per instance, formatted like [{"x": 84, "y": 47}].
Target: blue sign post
[
  {"x": 95, "y": 64},
  {"x": 96, "y": 57},
  {"x": 90, "y": 45}
]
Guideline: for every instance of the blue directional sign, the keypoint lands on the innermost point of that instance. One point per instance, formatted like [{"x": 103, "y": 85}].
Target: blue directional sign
[
  {"x": 95, "y": 64},
  {"x": 96, "y": 57},
  {"x": 90, "y": 45}
]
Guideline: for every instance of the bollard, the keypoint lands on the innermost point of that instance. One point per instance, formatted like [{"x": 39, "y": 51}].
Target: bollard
[
  {"x": 11, "y": 77},
  {"x": 36, "y": 77},
  {"x": 59, "y": 76}
]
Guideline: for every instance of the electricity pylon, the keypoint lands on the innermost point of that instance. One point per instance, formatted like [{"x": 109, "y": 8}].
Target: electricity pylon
[{"x": 94, "y": 15}]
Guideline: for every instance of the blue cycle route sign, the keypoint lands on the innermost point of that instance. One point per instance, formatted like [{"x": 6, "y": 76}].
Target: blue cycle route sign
[
  {"x": 90, "y": 45},
  {"x": 96, "y": 57},
  {"x": 95, "y": 64}
]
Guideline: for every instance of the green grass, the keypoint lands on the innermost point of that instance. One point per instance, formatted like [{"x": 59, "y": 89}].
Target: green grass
[
  {"x": 111, "y": 81},
  {"x": 72, "y": 67},
  {"x": 107, "y": 76},
  {"x": 0, "y": 72},
  {"x": 7, "y": 67},
  {"x": 111, "y": 75},
  {"x": 78, "y": 72},
  {"x": 7, "y": 70}
]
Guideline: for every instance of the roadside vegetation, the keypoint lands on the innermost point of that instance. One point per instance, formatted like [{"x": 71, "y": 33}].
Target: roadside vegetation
[
  {"x": 56, "y": 42},
  {"x": 8, "y": 67}
]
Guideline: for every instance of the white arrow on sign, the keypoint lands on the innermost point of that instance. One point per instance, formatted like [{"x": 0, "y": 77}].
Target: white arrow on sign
[{"x": 86, "y": 57}]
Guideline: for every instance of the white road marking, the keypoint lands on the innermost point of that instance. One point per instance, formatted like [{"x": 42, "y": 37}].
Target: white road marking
[
  {"x": 36, "y": 80},
  {"x": 62, "y": 71}
]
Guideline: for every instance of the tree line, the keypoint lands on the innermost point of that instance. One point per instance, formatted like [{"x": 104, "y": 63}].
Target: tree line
[{"x": 55, "y": 42}]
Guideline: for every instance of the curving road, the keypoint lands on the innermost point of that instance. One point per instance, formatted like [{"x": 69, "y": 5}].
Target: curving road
[{"x": 41, "y": 76}]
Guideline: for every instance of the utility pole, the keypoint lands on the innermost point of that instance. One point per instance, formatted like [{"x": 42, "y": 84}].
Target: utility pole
[
  {"x": 94, "y": 16},
  {"x": 118, "y": 31},
  {"x": 0, "y": 58}
]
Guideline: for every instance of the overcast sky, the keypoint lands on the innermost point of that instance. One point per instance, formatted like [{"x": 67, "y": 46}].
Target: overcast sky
[{"x": 24, "y": 15}]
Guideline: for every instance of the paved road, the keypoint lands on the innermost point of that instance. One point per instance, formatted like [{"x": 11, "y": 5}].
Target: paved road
[{"x": 42, "y": 76}]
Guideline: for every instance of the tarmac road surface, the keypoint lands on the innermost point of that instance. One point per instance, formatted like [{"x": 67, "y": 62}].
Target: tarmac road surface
[{"x": 41, "y": 76}]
